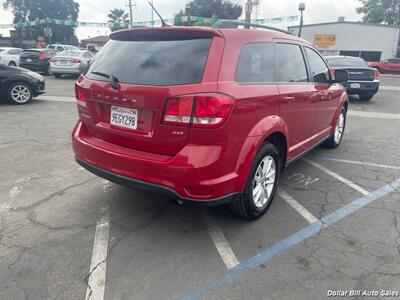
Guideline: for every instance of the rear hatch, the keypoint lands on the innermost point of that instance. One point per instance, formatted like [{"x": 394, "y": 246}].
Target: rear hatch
[
  {"x": 129, "y": 81},
  {"x": 30, "y": 56},
  {"x": 362, "y": 74}
]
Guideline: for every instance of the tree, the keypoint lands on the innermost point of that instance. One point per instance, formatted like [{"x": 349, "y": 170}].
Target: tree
[
  {"x": 220, "y": 9},
  {"x": 380, "y": 11},
  {"x": 28, "y": 10},
  {"x": 118, "y": 16}
]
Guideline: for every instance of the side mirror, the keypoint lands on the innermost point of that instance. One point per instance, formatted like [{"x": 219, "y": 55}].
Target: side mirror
[{"x": 341, "y": 76}]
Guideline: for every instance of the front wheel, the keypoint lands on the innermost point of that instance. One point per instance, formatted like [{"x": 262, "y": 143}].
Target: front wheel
[
  {"x": 336, "y": 138},
  {"x": 20, "y": 93},
  {"x": 12, "y": 64},
  {"x": 261, "y": 186}
]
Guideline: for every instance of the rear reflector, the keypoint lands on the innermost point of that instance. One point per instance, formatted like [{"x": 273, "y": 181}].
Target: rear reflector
[
  {"x": 377, "y": 75},
  {"x": 210, "y": 110},
  {"x": 75, "y": 61},
  {"x": 42, "y": 56},
  {"x": 81, "y": 95}
]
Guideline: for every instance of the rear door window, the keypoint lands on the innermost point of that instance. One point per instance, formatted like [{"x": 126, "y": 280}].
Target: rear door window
[
  {"x": 319, "y": 70},
  {"x": 291, "y": 66},
  {"x": 152, "y": 62},
  {"x": 256, "y": 64}
]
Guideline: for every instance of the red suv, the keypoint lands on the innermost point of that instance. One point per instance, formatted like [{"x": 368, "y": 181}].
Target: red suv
[{"x": 207, "y": 115}]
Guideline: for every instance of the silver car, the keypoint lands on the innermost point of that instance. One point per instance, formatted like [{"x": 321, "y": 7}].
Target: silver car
[{"x": 70, "y": 62}]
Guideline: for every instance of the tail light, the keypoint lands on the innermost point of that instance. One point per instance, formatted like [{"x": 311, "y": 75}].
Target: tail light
[
  {"x": 202, "y": 110},
  {"x": 377, "y": 75},
  {"x": 53, "y": 60},
  {"x": 82, "y": 95},
  {"x": 42, "y": 56},
  {"x": 75, "y": 61}
]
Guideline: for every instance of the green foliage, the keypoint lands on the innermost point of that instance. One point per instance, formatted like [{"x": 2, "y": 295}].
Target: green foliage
[
  {"x": 28, "y": 10},
  {"x": 380, "y": 11},
  {"x": 118, "y": 15},
  {"x": 219, "y": 9}
]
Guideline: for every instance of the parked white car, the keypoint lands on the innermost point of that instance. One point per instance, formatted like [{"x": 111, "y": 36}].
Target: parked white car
[
  {"x": 61, "y": 48},
  {"x": 10, "y": 56},
  {"x": 70, "y": 62}
]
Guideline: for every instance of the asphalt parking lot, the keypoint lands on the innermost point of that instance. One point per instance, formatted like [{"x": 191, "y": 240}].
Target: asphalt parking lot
[{"x": 66, "y": 234}]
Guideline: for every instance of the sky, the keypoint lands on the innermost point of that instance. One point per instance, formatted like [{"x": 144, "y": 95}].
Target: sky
[{"x": 96, "y": 11}]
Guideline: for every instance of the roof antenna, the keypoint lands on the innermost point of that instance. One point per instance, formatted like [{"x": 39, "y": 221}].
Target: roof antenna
[{"x": 162, "y": 20}]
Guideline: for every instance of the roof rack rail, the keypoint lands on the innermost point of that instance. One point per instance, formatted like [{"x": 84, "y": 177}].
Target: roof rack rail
[{"x": 236, "y": 24}]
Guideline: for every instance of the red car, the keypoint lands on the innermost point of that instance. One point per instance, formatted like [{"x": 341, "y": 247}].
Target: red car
[
  {"x": 391, "y": 65},
  {"x": 207, "y": 115}
]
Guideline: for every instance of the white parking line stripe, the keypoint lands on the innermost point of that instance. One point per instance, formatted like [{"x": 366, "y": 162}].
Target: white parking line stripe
[
  {"x": 338, "y": 177},
  {"x": 361, "y": 163},
  {"x": 389, "y": 88},
  {"x": 298, "y": 207},
  {"x": 97, "y": 278},
  {"x": 56, "y": 98},
  {"x": 369, "y": 114},
  {"x": 220, "y": 242}
]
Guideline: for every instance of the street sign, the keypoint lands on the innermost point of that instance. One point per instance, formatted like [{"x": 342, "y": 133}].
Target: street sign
[{"x": 324, "y": 40}]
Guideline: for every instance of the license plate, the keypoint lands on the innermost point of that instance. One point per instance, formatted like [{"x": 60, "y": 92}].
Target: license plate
[
  {"x": 123, "y": 117},
  {"x": 63, "y": 62},
  {"x": 355, "y": 85},
  {"x": 29, "y": 60}
]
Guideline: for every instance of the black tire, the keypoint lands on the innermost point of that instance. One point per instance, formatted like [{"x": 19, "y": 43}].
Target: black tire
[
  {"x": 57, "y": 75},
  {"x": 20, "y": 86},
  {"x": 245, "y": 205},
  {"x": 366, "y": 97},
  {"x": 47, "y": 71},
  {"x": 333, "y": 142},
  {"x": 12, "y": 64}
]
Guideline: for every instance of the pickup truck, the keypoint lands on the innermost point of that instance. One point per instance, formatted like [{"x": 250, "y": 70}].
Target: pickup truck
[{"x": 391, "y": 65}]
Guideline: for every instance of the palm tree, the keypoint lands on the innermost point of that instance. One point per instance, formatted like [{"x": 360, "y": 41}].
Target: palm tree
[{"x": 117, "y": 16}]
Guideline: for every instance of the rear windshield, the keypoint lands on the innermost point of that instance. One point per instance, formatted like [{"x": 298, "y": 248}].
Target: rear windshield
[
  {"x": 70, "y": 53},
  {"x": 152, "y": 62},
  {"x": 347, "y": 62}
]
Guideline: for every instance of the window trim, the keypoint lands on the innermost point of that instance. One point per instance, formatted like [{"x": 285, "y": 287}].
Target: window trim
[
  {"x": 305, "y": 64},
  {"x": 310, "y": 71},
  {"x": 255, "y": 83}
]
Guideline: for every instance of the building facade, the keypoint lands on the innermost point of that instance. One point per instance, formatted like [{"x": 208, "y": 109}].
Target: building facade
[{"x": 370, "y": 41}]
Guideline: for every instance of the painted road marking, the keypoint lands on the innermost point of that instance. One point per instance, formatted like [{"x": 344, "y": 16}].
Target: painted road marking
[
  {"x": 219, "y": 240},
  {"x": 298, "y": 207},
  {"x": 338, "y": 177},
  {"x": 97, "y": 274},
  {"x": 355, "y": 162},
  {"x": 56, "y": 98},
  {"x": 389, "y": 88},
  {"x": 291, "y": 241},
  {"x": 369, "y": 114}
]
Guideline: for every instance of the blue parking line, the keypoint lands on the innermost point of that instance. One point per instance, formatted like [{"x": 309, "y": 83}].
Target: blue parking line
[
  {"x": 354, "y": 162},
  {"x": 287, "y": 243}
]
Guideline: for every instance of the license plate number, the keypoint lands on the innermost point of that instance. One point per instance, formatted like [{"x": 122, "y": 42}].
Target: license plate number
[
  {"x": 63, "y": 62},
  {"x": 123, "y": 117},
  {"x": 355, "y": 85}
]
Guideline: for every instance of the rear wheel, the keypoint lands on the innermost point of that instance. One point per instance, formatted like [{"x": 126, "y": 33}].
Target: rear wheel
[
  {"x": 366, "y": 97},
  {"x": 47, "y": 71},
  {"x": 261, "y": 186},
  {"x": 336, "y": 138},
  {"x": 20, "y": 93},
  {"x": 12, "y": 64},
  {"x": 57, "y": 75}
]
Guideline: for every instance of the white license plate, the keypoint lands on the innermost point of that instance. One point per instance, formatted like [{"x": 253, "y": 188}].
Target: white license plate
[
  {"x": 29, "y": 60},
  {"x": 123, "y": 117},
  {"x": 355, "y": 85},
  {"x": 63, "y": 62}
]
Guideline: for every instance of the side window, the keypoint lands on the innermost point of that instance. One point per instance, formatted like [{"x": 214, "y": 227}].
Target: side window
[
  {"x": 59, "y": 48},
  {"x": 256, "y": 64},
  {"x": 13, "y": 52},
  {"x": 290, "y": 63},
  {"x": 319, "y": 70}
]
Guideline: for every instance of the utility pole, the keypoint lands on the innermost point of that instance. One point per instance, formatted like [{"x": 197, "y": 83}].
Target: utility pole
[
  {"x": 152, "y": 14},
  {"x": 130, "y": 13},
  {"x": 248, "y": 11},
  {"x": 302, "y": 8}
]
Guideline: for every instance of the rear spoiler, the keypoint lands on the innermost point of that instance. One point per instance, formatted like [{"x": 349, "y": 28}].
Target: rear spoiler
[{"x": 156, "y": 33}]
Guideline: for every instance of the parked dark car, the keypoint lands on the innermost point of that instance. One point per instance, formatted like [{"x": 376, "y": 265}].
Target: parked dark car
[
  {"x": 37, "y": 60},
  {"x": 363, "y": 79},
  {"x": 206, "y": 115},
  {"x": 19, "y": 85}
]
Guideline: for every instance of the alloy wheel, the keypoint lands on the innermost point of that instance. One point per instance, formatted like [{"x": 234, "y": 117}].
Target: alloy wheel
[
  {"x": 264, "y": 181},
  {"x": 339, "y": 128},
  {"x": 20, "y": 93}
]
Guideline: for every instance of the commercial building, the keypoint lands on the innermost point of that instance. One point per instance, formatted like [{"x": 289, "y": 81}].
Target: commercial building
[{"x": 372, "y": 42}]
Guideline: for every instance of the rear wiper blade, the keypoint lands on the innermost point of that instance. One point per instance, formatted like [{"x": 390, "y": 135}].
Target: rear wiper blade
[{"x": 114, "y": 80}]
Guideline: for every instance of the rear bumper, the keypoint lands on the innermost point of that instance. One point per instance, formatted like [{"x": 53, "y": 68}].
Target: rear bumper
[
  {"x": 37, "y": 67},
  {"x": 366, "y": 87},
  {"x": 201, "y": 174},
  {"x": 65, "y": 70}
]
